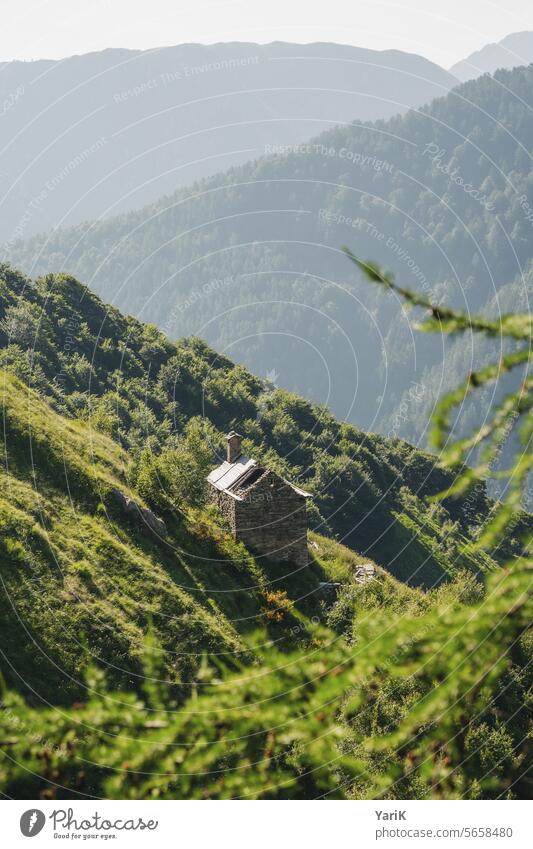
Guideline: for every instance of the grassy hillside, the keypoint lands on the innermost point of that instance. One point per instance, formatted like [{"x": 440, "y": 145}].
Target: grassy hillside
[
  {"x": 159, "y": 665},
  {"x": 250, "y": 259},
  {"x": 82, "y": 581},
  {"x": 374, "y": 715},
  {"x": 168, "y": 405}
]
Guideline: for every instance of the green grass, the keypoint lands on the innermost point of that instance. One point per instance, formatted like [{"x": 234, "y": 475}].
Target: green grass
[{"x": 81, "y": 584}]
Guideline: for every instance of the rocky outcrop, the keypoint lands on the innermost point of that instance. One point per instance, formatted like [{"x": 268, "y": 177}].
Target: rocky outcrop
[{"x": 145, "y": 520}]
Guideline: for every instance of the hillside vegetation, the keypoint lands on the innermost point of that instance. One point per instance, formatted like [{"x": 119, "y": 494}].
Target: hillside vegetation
[
  {"x": 168, "y": 405},
  {"x": 138, "y": 664}
]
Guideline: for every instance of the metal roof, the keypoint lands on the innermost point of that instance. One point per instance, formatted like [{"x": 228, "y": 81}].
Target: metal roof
[{"x": 226, "y": 476}]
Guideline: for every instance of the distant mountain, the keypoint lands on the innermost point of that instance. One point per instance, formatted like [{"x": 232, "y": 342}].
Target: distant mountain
[
  {"x": 251, "y": 260},
  {"x": 513, "y": 50},
  {"x": 94, "y": 135}
]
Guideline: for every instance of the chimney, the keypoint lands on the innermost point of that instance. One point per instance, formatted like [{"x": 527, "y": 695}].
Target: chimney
[{"x": 234, "y": 446}]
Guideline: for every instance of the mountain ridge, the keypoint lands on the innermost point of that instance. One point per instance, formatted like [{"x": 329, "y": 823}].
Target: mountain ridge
[
  {"x": 165, "y": 117},
  {"x": 512, "y": 51},
  {"x": 251, "y": 258}
]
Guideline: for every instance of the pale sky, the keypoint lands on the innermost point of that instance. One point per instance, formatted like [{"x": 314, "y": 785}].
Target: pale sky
[{"x": 443, "y": 30}]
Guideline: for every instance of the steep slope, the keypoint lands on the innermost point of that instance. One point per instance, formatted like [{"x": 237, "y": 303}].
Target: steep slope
[
  {"x": 82, "y": 583},
  {"x": 77, "y": 578},
  {"x": 251, "y": 260},
  {"x": 513, "y": 50},
  {"x": 94, "y": 135},
  {"x": 170, "y": 404}
]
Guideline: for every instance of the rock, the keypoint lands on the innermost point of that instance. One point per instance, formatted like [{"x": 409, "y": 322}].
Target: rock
[
  {"x": 365, "y": 573},
  {"x": 147, "y": 521},
  {"x": 329, "y": 588},
  {"x": 153, "y": 522}
]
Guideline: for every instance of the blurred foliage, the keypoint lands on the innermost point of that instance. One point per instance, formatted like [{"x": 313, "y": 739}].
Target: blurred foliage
[
  {"x": 475, "y": 454},
  {"x": 436, "y": 705}
]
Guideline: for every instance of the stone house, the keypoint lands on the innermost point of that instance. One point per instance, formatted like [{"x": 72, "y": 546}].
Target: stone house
[{"x": 265, "y": 512}]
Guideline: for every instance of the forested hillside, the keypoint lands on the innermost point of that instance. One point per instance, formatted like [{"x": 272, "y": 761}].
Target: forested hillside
[
  {"x": 251, "y": 262},
  {"x": 161, "y": 400},
  {"x": 237, "y": 677}
]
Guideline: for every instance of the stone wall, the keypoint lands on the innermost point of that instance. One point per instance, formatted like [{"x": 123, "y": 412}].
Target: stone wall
[
  {"x": 226, "y": 505},
  {"x": 272, "y": 520}
]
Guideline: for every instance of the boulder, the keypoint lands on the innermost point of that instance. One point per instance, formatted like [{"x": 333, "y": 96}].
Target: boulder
[{"x": 146, "y": 521}]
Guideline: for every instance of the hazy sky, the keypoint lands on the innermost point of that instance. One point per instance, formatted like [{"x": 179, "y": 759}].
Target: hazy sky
[{"x": 442, "y": 30}]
